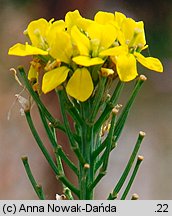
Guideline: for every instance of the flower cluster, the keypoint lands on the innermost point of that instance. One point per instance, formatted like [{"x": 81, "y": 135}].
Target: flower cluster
[{"x": 76, "y": 51}]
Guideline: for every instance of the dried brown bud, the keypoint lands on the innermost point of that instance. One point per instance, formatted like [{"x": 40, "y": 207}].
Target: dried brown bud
[
  {"x": 141, "y": 133},
  {"x": 135, "y": 196},
  {"x": 105, "y": 72},
  {"x": 140, "y": 157},
  {"x": 143, "y": 77},
  {"x": 86, "y": 166},
  {"x": 60, "y": 88},
  {"x": 115, "y": 111}
]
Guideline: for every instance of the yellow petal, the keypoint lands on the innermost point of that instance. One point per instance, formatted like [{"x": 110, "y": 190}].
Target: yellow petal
[
  {"x": 133, "y": 32},
  {"x": 25, "y": 50},
  {"x": 61, "y": 47},
  {"x": 87, "y": 61},
  {"x": 126, "y": 67},
  {"x": 140, "y": 34},
  {"x": 99, "y": 32},
  {"x": 57, "y": 26},
  {"x": 149, "y": 62},
  {"x": 128, "y": 26},
  {"x": 115, "y": 51},
  {"x": 71, "y": 18},
  {"x": 104, "y": 17},
  {"x": 84, "y": 23},
  {"x": 121, "y": 38},
  {"x": 119, "y": 18},
  {"x": 37, "y": 29},
  {"x": 81, "y": 41},
  {"x": 54, "y": 78},
  {"x": 80, "y": 85}
]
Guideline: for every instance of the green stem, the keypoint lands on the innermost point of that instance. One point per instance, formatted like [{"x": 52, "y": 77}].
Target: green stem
[
  {"x": 110, "y": 105},
  {"x": 108, "y": 143},
  {"x": 97, "y": 98},
  {"x": 87, "y": 144},
  {"x": 69, "y": 133},
  {"x": 66, "y": 182},
  {"x": 38, "y": 189},
  {"x": 123, "y": 117},
  {"x": 72, "y": 110},
  {"x": 101, "y": 147},
  {"x": 59, "y": 152},
  {"x": 98, "y": 150},
  {"x": 47, "y": 129},
  {"x": 36, "y": 98},
  {"x": 102, "y": 158},
  {"x": 40, "y": 144},
  {"x": 58, "y": 171},
  {"x": 121, "y": 181},
  {"x": 83, "y": 177},
  {"x": 52, "y": 137},
  {"x": 41, "y": 192},
  {"x": 68, "y": 193},
  {"x": 139, "y": 160}
]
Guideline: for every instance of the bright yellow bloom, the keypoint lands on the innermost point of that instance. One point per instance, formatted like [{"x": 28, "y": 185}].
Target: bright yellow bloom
[
  {"x": 65, "y": 51},
  {"x": 62, "y": 50},
  {"x": 132, "y": 40},
  {"x": 46, "y": 39},
  {"x": 91, "y": 45},
  {"x": 41, "y": 34}
]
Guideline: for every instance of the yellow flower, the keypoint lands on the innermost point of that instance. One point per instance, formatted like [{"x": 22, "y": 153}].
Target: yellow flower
[
  {"x": 80, "y": 85},
  {"x": 60, "y": 48},
  {"x": 91, "y": 43},
  {"x": 41, "y": 34},
  {"x": 45, "y": 38},
  {"x": 132, "y": 41}
]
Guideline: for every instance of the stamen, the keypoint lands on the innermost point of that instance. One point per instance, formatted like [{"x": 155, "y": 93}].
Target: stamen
[
  {"x": 95, "y": 43},
  {"x": 51, "y": 65}
]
